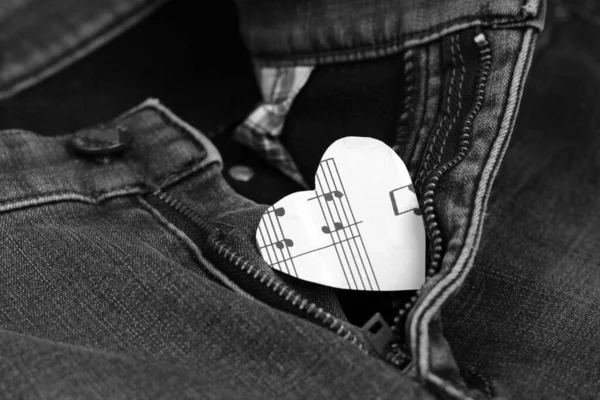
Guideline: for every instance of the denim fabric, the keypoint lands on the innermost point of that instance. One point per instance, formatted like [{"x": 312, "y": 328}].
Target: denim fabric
[
  {"x": 170, "y": 55},
  {"x": 450, "y": 128},
  {"x": 462, "y": 193},
  {"x": 443, "y": 108},
  {"x": 528, "y": 313},
  {"x": 40, "y": 37},
  {"x": 120, "y": 285},
  {"x": 287, "y": 32},
  {"x": 105, "y": 296}
]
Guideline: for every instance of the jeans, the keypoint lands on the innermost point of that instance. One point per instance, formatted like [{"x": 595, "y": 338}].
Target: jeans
[
  {"x": 136, "y": 274},
  {"x": 110, "y": 291},
  {"x": 527, "y": 314}
]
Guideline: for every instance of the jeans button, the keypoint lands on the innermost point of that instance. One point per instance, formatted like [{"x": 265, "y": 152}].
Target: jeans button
[{"x": 102, "y": 140}]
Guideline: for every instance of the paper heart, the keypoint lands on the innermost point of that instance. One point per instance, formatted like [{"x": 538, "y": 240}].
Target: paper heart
[{"x": 361, "y": 228}]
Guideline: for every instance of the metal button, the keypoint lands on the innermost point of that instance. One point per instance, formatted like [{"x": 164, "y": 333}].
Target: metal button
[
  {"x": 241, "y": 173},
  {"x": 102, "y": 140}
]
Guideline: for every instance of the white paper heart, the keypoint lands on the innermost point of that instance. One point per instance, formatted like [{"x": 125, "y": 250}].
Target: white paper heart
[{"x": 360, "y": 229}]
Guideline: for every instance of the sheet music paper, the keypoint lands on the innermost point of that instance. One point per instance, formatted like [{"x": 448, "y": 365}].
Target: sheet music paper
[{"x": 360, "y": 229}]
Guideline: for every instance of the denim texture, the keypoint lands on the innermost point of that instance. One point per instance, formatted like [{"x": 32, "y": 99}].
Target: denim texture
[
  {"x": 288, "y": 32},
  {"x": 461, "y": 212},
  {"x": 39, "y": 38},
  {"x": 129, "y": 296},
  {"x": 450, "y": 116},
  {"x": 104, "y": 297},
  {"x": 528, "y": 313},
  {"x": 127, "y": 70}
]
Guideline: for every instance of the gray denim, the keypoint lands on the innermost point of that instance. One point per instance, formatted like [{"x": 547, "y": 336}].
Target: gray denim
[
  {"x": 104, "y": 297},
  {"x": 136, "y": 275},
  {"x": 527, "y": 314}
]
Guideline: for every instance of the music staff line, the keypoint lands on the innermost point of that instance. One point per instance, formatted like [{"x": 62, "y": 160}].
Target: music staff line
[
  {"x": 282, "y": 234},
  {"x": 329, "y": 195},
  {"x": 279, "y": 212},
  {"x": 338, "y": 218},
  {"x": 329, "y": 198},
  {"x": 332, "y": 238},
  {"x": 314, "y": 250},
  {"x": 290, "y": 243},
  {"x": 338, "y": 215},
  {"x": 360, "y": 237}
]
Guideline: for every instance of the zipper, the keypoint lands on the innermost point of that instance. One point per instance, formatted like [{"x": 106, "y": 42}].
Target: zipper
[
  {"x": 296, "y": 303},
  {"x": 399, "y": 353},
  {"x": 386, "y": 343}
]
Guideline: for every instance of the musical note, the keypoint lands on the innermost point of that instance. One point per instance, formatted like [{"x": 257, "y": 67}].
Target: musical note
[
  {"x": 316, "y": 249},
  {"x": 340, "y": 225},
  {"x": 393, "y": 193},
  {"x": 272, "y": 237},
  {"x": 284, "y": 243},
  {"x": 336, "y": 225},
  {"x": 348, "y": 238},
  {"x": 280, "y": 211},
  {"x": 280, "y": 244},
  {"x": 329, "y": 195},
  {"x": 347, "y": 243}
]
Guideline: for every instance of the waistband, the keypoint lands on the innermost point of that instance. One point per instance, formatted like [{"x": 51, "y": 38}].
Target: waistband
[
  {"x": 289, "y": 32},
  {"x": 164, "y": 149}
]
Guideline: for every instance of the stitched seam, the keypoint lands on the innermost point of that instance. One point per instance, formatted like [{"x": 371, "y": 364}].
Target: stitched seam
[
  {"x": 432, "y": 302},
  {"x": 426, "y": 88},
  {"x": 392, "y": 46},
  {"x": 96, "y": 197},
  {"x": 171, "y": 123},
  {"x": 456, "y": 54},
  {"x": 420, "y": 128},
  {"x": 485, "y": 65},
  {"x": 61, "y": 196},
  {"x": 470, "y": 370},
  {"x": 405, "y": 122},
  {"x": 486, "y": 383},
  {"x": 444, "y": 126},
  {"x": 450, "y": 389},
  {"x": 175, "y": 177},
  {"x": 427, "y": 165},
  {"x": 189, "y": 243},
  {"x": 167, "y": 179}
]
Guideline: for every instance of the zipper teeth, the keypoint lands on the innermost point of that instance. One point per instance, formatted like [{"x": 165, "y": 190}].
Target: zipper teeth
[
  {"x": 452, "y": 105},
  {"x": 398, "y": 356},
  {"x": 273, "y": 283},
  {"x": 285, "y": 292},
  {"x": 429, "y": 213}
]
